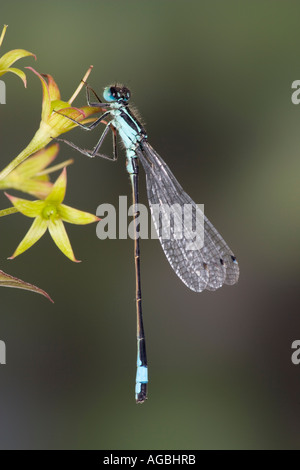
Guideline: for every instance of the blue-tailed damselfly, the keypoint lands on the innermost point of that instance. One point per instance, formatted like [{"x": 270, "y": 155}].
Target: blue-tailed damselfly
[{"x": 208, "y": 267}]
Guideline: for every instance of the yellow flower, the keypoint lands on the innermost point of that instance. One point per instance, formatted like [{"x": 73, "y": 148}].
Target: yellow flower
[
  {"x": 31, "y": 176},
  {"x": 50, "y": 214},
  {"x": 52, "y": 124},
  {"x": 10, "y": 57}
]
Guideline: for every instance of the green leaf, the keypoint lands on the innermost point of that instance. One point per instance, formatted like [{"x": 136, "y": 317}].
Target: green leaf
[{"x": 6, "y": 280}]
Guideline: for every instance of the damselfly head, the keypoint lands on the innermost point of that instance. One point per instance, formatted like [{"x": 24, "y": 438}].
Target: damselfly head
[{"x": 116, "y": 93}]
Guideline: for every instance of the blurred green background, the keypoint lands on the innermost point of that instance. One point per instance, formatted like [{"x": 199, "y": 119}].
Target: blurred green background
[{"x": 212, "y": 80}]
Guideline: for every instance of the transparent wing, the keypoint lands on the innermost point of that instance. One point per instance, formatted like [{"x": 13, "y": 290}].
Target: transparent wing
[{"x": 207, "y": 267}]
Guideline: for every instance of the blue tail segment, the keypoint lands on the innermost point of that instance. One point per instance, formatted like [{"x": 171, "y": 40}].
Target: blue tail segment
[{"x": 141, "y": 382}]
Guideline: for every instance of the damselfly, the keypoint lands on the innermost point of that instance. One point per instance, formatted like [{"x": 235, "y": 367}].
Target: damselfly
[{"x": 210, "y": 265}]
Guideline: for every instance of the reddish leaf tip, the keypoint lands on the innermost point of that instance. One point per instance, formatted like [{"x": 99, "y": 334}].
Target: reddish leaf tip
[
  {"x": 47, "y": 296},
  {"x": 11, "y": 198}
]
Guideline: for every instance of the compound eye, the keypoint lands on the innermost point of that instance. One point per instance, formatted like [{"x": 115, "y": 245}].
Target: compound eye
[
  {"x": 110, "y": 94},
  {"x": 114, "y": 93}
]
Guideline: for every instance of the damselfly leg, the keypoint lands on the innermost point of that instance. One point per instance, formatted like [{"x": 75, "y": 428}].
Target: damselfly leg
[{"x": 94, "y": 152}]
